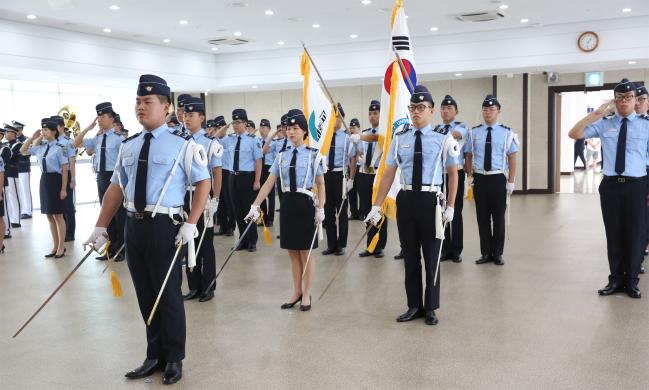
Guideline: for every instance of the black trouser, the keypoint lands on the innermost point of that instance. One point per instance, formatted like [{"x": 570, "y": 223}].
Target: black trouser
[
  {"x": 336, "y": 234},
  {"x": 365, "y": 182},
  {"x": 69, "y": 213},
  {"x": 646, "y": 226},
  {"x": 490, "y": 193},
  {"x": 149, "y": 250},
  {"x": 205, "y": 270},
  {"x": 453, "y": 241},
  {"x": 416, "y": 224},
  {"x": 622, "y": 210},
  {"x": 269, "y": 211},
  {"x": 579, "y": 151},
  {"x": 241, "y": 197},
  {"x": 116, "y": 226},
  {"x": 352, "y": 198},
  {"x": 225, "y": 214}
]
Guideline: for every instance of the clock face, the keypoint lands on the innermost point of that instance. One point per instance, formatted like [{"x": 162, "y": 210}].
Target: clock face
[{"x": 588, "y": 41}]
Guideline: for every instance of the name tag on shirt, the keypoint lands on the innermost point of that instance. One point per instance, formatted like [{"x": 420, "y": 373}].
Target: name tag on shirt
[{"x": 404, "y": 146}]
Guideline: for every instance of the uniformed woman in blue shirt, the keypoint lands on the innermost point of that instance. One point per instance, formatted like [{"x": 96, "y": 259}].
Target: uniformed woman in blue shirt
[
  {"x": 299, "y": 170},
  {"x": 53, "y": 160}
]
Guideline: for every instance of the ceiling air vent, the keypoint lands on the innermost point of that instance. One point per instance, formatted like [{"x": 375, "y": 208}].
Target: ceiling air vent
[
  {"x": 227, "y": 41},
  {"x": 481, "y": 16}
]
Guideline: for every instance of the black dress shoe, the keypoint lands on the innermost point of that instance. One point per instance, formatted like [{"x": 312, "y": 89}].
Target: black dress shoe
[
  {"x": 190, "y": 295},
  {"x": 353, "y": 217},
  {"x": 119, "y": 258},
  {"x": 252, "y": 248},
  {"x": 68, "y": 239},
  {"x": 220, "y": 233},
  {"x": 7, "y": 235},
  {"x": 206, "y": 297},
  {"x": 411, "y": 314},
  {"x": 306, "y": 307},
  {"x": 50, "y": 254},
  {"x": 498, "y": 260},
  {"x": 365, "y": 254},
  {"x": 269, "y": 224},
  {"x": 633, "y": 292},
  {"x": 611, "y": 289},
  {"x": 339, "y": 252},
  {"x": 484, "y": 259},
  {"x": 642, "y": 269},
  {"x": 456, "y": 259},
  {"x": 146, "y": 369},
  {"x": 289, "y": 305},
  {"x": 240, "y": 248},
  {"x": 431, "y": 318},
  {"x": 379, "y": 254},
  {"x": 399, "y": 256},
  {"x": 173, "y": 373},
  {"x": 328, "y": 251},
  {"x": 25, "y": 216},
  {"x": 102, "y": 258},
  {"x": 15, "y": 225},
  {"x": 229, "y": 233},
  {"x": 444, "y": 258},
  {"x": 646, "y": 252}
]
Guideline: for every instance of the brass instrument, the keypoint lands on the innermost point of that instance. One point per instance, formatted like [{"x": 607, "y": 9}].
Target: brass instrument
[{"x": 69, "y": 114}]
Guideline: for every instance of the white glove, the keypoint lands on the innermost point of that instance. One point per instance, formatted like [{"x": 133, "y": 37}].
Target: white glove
[
  {"x": 319, "y": 215},
  {"x": 374, "y": 216},
  {"x": 186, "y": 233},
  {"x": 355, "y": 138},
  {"x": 350, "y": 184},
  {"x": 447, "y": 215},
  {"x": 253, "y": 214},
  {"x": 510, "y": 187},
  {"x": 212, "y": 206},
  {"x": 98, "y": 238}
]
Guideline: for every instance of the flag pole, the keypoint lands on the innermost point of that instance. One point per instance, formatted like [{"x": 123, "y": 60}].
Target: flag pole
[{"x": 403, "y": 70}]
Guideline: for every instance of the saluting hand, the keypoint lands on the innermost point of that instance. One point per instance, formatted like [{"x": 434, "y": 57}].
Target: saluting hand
[
  {"x": 37, "y": 134},
  {"x": 605, "y": 108}
]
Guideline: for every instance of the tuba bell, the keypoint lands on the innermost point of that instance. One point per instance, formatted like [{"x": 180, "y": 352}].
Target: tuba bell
[{"x": 69, "y": 114}]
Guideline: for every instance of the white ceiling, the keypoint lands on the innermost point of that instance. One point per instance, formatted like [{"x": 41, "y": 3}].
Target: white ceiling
[{"x": 151, "y": 21}]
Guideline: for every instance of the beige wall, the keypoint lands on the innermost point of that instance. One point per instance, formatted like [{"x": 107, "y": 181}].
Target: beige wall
[{"x": 469, "y": 93}]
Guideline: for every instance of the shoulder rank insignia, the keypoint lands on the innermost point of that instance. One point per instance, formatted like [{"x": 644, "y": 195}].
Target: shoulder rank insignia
[
  {"x": 441, "y": 130},
  {"x": 505, "y": 127},
  {"x": 475, "y": 127},
  {"x": 406, "y": 128},
  {"x": 131, "y": 137}
]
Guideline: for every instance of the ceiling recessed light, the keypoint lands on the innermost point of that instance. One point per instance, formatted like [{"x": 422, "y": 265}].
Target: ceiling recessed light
[
  {"x": 504, "y": 6},
  {"x": 315, "y": 25},
  {"x": 626, "y": 10},
  {"x": 237, "y": 33},
  {"x": 107, "y": 30},
  {"x": 215, "y": 48},
  {"x": 458, "y": 74},
  {"x": 281, "y": 43},
  {"x": 269, "y": 12},
  {"x": 114, "y": 7},
  {"x": 406, "y": 16},
  {"x": 254, "y": 87},
  {"x": 31, "y": 16},
  {"x": 524, "y": 20},
  {"x": 366, "y": 2},
  {"x": 353, "y": 36},
  {"x": 434, "y": 28},
  {"x": 166, "y": 40},
  {"x": 183, "y": 22},
  {"x": 633, "y": 62}
]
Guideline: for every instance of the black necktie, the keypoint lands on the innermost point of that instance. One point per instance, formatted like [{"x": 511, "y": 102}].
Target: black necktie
[
  {"x": 102, "y": 155},
  {"x": 332, "y": 153},
  {"x": 45, "y": 155},
  {"x": 235, "y": 166},
  {"x": 620, "y": 155},
  {"x": 368, "y": 155},
  {"x": 418, "y": 163},
  {"x": 140, "y": 177},
  {"x": 284, "y": 145},
  {"x": 292, "y": 176},
  {"x": 487, "y": 150}
]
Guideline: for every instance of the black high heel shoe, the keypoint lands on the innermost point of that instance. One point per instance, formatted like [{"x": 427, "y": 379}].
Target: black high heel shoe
[
  {"x": 3, "y": 249},
  {"x": 306, "y": 307},
  {"x": 291, "y": 304},
  {"x": 51, "y": 254},
  {"x": 61, "y": 255}
]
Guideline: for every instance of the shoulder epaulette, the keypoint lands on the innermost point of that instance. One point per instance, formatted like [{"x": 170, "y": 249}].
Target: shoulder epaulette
[
  {"x": 475, "y": 127},
  {"x": 131, "y": 137},
  {"x": 440, "y": 129},
  {"x": 61, "y": 145},
  {"x": 368, "y": 129},
  {"x": 609, "y": 116},
  {"x": 252, "y": 136},
  {"x": 403, "y": 130},
  {"x": 644, "y": 116},
  {"x": 505, "y": 127},
  {"x": 310, "y": 148}
]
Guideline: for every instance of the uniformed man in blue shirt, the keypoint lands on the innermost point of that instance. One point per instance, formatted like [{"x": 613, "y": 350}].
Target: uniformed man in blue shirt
[
  {"x": 173, "y": 122},
  {"x": 352, "y": 195},
  {"x": 69, "y": 214},
  {"x": 341, "y": 159},
  {"x": 421, "y": 153},
  {"x": 245, "y": 155},
  {"x": 180, "y": 112},
  {"x": 491, "y": 157},
  {"x": 11, "y": 174},
  {"x": 200, "y": 278},
  {"x": 104, "y": 147},
  {"x": 24, "y": 176},
  {"x": 225, "y": 213},
  {"x": 623, "y": 190},
  {"x": 155, "y": 226},
  {"x": 269, "y": 149},
  {"x": 454, "y": 242}
]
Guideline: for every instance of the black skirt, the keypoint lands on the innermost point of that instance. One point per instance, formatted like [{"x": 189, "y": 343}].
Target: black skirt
[
  {"x": 296, "y": 224},
  {"x": 49, "y": 190},
  {"x": 2, "y": 207}
]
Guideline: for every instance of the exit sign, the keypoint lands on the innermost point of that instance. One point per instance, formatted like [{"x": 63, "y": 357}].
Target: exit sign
[{"x": 594, "y": 79}]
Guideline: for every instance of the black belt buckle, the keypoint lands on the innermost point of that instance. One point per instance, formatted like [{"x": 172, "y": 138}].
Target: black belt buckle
[
  {"x": 621, "y": 179},
  {"x": 138, "y": 215},
  {"x": 236, "y": 173}
]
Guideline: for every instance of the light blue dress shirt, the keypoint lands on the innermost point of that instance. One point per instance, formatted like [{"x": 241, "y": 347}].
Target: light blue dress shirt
[
  {"x": 302, "y": 174},
  {"x": 376, "y": 153},
  {"x": 57, "y": 155},
  {"x": 249, "y": 151},
  {"x": 343, "y": 144},
  {"x": 460, "y": 127},
  {"x": 71, "y": 151},
  {"x": 477, "y": 139},
  {"x": 113, "y": 142}
]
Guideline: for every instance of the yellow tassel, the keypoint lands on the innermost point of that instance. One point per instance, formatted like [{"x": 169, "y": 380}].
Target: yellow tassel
[
  {"x": 375, "y": 239},
  {"x": 115, "y": 284},
  {"x": 469, "y": 193},
  {"x": 267, "y": 239}
]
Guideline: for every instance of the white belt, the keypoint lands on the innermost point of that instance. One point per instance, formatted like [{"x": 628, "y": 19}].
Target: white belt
[
  {"x": 480, "y": 171},
  {"x": 408, "y": 187},
  {"x": 130, "y": 206},
  {"x": 339, "y": 169},
  {"x": 300, "y": 190}
]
